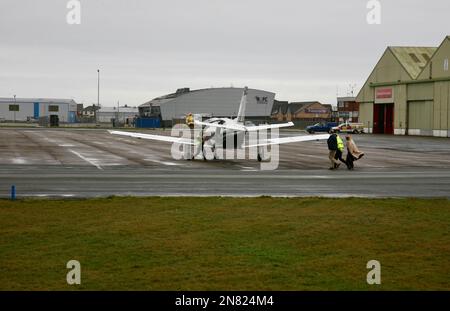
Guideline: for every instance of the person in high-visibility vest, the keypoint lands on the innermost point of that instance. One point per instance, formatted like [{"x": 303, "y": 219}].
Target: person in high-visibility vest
[
  {"x": 340, "y": 150},
  {"x": 190, "y": 120}
]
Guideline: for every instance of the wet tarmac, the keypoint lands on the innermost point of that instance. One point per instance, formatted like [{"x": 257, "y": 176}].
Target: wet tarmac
[{"x": 92, "y": 163}]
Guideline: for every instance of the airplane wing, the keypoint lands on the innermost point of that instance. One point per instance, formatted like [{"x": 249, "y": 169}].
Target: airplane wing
[
  {"x": 242, "y": 128},
  {"x": 288, "y": 140},
  {"x": 268, "y": 126},
  {"x": 234, "y": 127},
  {"x": 169, "y": 139}
]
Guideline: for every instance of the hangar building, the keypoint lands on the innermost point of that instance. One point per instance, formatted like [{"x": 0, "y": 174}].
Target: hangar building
[
  {"x": 26, "y": 109},
  {"x": 212, "y": 102},
  {"x": 121, "y": 114},
  {"x": 408, "y": 92}
]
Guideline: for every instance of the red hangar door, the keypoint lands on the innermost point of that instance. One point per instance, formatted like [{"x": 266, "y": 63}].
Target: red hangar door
[{"x": 383, "y": 118}]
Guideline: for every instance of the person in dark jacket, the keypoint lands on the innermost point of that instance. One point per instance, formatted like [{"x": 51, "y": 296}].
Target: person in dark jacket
[{"x": 333, "y": 147}]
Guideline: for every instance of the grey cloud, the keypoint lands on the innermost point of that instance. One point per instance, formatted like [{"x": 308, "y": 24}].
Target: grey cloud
[{"x": 299, "y": 49}]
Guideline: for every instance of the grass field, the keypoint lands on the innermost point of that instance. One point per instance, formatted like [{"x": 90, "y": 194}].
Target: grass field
[{"x": 225, "y": 243}]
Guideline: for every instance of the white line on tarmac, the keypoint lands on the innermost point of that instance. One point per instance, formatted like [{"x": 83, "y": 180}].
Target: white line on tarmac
[
  {"x": 45, "y": 195},
  {"x": 161, "y": 162},
  {"x": 86, "y": 159},
  {"x": 312, "y": 156},
  {"x": 19, "y": 161}
]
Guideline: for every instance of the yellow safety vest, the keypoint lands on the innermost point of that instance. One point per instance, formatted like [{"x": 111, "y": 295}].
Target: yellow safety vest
[
  {"x": 189, "y": 120},
  {"x": 340, "y": 143}
]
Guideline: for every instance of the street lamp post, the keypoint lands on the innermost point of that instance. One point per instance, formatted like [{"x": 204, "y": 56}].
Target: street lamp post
[
  {"x": 98, "y": 95},
  {"x": 15, "y": 106},
  {"x": 98, "y": 87},
  {"x": 118, "y": 114}
]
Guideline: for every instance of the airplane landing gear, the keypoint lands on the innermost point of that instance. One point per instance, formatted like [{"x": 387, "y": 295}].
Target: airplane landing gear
[{"x": 262, "y": 155}]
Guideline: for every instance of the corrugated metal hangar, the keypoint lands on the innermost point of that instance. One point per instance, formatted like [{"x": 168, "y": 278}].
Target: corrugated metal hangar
[
  {"x": 213, "y": 102},
  {"x": 26, "y": 109},
  {"x": 408, "y": 92}
]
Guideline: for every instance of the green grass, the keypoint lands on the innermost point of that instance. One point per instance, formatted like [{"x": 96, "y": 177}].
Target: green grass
[{"x": 225, "y": 243}]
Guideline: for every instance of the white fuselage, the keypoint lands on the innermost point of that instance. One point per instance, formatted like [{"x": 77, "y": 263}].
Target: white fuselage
[{"x": 216, "y": 136}]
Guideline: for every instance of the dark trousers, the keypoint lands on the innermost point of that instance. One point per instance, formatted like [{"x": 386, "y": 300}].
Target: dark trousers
[
  {"x": 338, "y": 156},
  {"x": 350, "y": 159}
]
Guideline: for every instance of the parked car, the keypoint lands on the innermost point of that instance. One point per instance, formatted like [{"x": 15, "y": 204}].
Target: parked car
[
  {"x": 321, "y": 127},
  {"x": 348, "y": 127}
]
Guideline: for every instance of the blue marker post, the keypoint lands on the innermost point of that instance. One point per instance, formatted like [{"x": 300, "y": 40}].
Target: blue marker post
[{"x": 13, "y": 192}]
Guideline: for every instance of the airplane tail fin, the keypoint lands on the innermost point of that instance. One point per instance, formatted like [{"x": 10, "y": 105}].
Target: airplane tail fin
[{"x": 241, "y": 113}]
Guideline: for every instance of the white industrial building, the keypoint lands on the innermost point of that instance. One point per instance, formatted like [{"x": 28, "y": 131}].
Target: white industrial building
[
  {"x": 123, "y": 115},
  {"x": 28, "y": 109},
  {"x": 213, "y": 102}
]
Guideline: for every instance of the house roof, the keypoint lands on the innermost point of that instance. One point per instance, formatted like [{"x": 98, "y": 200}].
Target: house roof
[
  {"x": 297, "y": 106},
  {"x": 275, "y": 107},
  {"x": 280, "y": 107},
  {"x": 413, "y": 59},
  {"x": 91, "y": 108}
]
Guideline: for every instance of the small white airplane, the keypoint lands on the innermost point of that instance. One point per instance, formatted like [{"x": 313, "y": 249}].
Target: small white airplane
[{"x": 217, "y": 131}]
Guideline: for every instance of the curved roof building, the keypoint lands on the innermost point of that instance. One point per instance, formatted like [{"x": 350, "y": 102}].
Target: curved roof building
[{"x": 213, "y": 102}]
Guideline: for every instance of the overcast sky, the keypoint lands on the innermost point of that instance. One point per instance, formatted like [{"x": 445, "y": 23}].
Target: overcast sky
[{"x": 300, "y": 50}]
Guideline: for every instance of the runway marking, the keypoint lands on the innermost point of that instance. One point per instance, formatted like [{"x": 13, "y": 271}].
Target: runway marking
[
  {"x": 51, "y": 140},
  {"x": 19, "y": 161},
  {"x": 313, "y": 156},
  {"x": 66, "y": 145},
  {"x": 248, "y": 169},
  {"x": 45, "y": 195},
  {"x": 86, "y": 159},
  {"x": 161, "y": 162}
]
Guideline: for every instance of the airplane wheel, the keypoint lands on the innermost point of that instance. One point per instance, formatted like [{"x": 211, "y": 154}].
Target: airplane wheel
[{"x": 259, "y": 158}]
